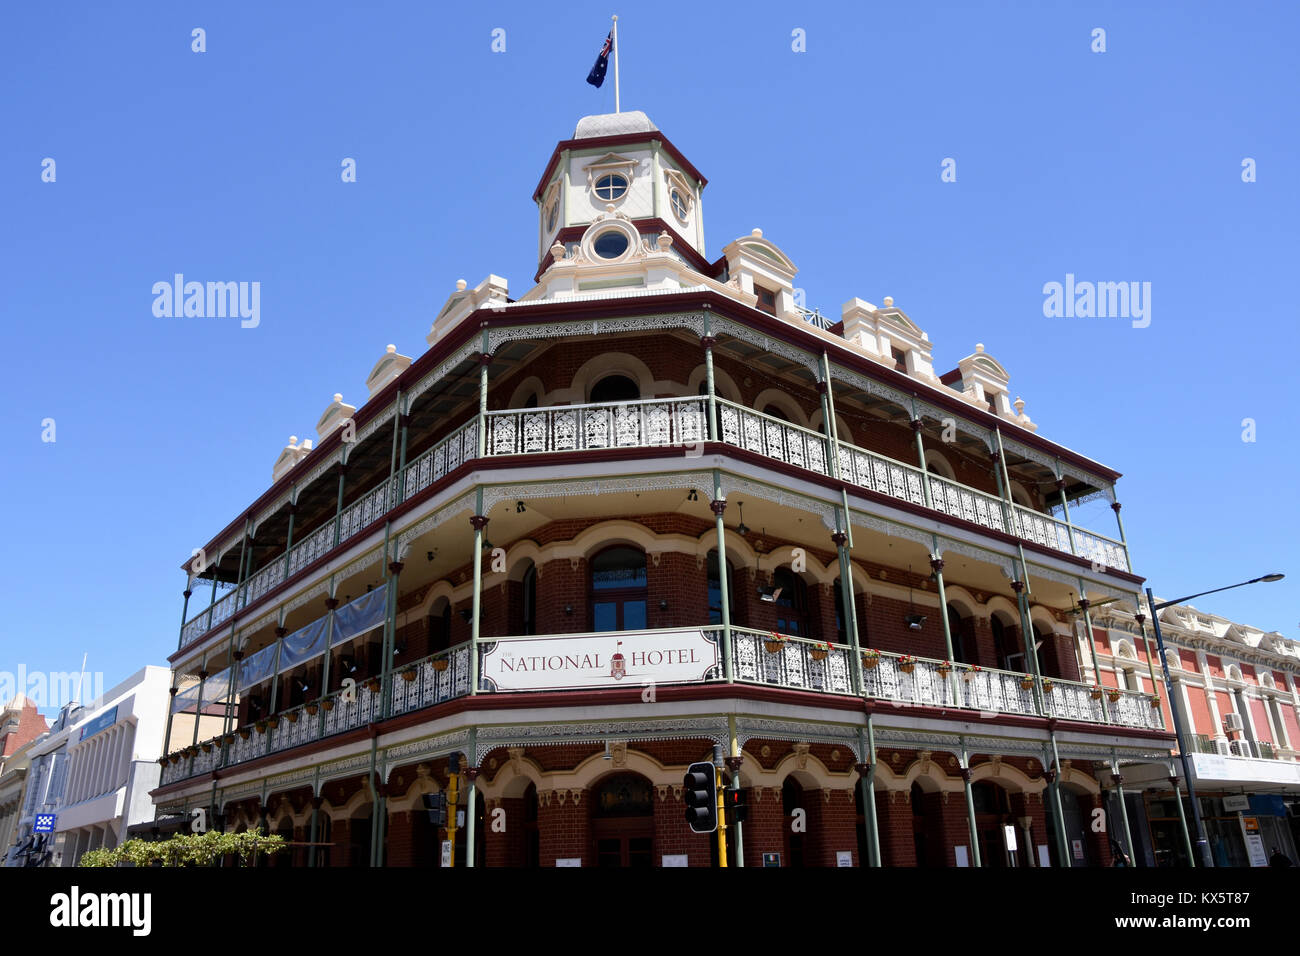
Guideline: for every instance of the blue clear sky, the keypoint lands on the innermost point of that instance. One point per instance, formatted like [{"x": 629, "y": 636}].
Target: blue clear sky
[{"x": 1115, "y": 166}]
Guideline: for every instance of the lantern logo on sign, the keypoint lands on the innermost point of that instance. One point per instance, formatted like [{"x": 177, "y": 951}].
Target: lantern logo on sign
[{"x": 617, "y": 665}]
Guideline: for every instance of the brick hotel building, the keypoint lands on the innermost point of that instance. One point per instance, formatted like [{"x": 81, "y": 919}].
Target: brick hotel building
[{"x": 649, "y": 507}]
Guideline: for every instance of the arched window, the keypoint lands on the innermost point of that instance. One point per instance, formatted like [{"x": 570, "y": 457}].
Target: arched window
[
  {"x": 615, "y": 388},
  {"x": 793, "y": 615},
  {"x": 715, "y": 591},
  {"x": 957, "y": 629},
  {"x": 532, "y": 401},
  {"x": 1006, "y": 645},
  {"x": 773, "y": 412},
  {"x": 841, "y": 615},
  {"x": 440, "y": 628},
  {"x": 618, "y": 590}
]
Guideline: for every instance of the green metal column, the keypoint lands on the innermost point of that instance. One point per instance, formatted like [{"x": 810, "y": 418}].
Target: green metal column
[
  {"x": 390, "y": 639},
  {"x": 1004, "y": 487},
  {"x": 867, "y": 784},
  {"x": 484, "y": 360},
  {"x": 316, "y": 801},
  {"x": 1058, "y": 818},
  {"x": 471, "y": 799},
  {"x": 1027, "y": 633},
  {"x": 478, "y": 521},
  {"x": 280, "y": 632},
  {"x": 212, "y": 599},
  {"x": 400, "y": 490},
  {"x": 936, "y": 564},
  {"x": 832, "y": 427},
  {"x": 1084, "y": 604},
  {"x": 185, "y": 610},
  {"x": 849, "y": 609},
  {"x": 288, "y": 541},
  {"x": 1065, "y": 506},
  {"x": 1182, "y": 816},
  {"x": 970, "y": 809},
  {"x": 719, "y": 505},
  {"x": 1118, "y": 780},
  {"x": 925, "y": 472},
  {"x": 707, "y": 341},
  {"x": 1115, "y": 506},
  {"x": 331, "y": 603},
  {"x": 171, "y": 712},
  {"x": 342, "y": 470}
]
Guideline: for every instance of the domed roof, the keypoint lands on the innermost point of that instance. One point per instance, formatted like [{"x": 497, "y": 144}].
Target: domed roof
[{"x": 614, "y": 124}]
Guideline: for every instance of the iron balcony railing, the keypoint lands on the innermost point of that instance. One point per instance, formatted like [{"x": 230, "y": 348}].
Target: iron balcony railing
[
  {"x": 758, "y": 657},
  {"x": 659, "y": 423}
]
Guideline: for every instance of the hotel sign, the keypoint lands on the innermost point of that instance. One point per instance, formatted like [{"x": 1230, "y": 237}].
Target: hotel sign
[{"x": 607, "y": 659}]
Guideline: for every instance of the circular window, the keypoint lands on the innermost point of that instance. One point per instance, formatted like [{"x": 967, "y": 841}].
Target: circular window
[
  {"x": 610, "y": 245},
  {"x": 680, "y": 206},
  {"x": 611, "y": 186}
]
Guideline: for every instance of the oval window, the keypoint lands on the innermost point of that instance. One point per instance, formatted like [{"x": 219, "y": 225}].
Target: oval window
[
  {"x": 680, "y": 206},
  {"x": 610, "y": 245},
  {"x": 611, "y": 186}
]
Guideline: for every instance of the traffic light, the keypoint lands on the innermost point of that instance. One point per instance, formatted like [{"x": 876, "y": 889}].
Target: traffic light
[
  {"x": 737, "y": 810},
  {"x": 436, "y": 804},
  {"x": 701, "y": 796}
]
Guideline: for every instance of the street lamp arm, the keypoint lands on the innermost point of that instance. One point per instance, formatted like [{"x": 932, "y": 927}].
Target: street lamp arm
[{"x": 1164, "y": 604}]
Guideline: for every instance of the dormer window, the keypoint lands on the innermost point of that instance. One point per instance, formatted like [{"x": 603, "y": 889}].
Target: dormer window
[
  {"x": 900, "y": 359},
  {"x": 611, "y": 186},
  {"x": 992, "y": 399},
  {"x": 766, "y": 300}
]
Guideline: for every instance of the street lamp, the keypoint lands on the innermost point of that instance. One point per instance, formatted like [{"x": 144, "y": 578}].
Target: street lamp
[{"x": 1202, "y": 843}]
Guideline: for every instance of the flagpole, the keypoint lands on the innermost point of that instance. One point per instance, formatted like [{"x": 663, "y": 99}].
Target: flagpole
[{"x": 616, "y": 109}]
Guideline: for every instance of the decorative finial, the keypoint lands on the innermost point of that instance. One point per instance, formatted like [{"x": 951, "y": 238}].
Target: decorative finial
[
  {"x": 338, "y": 397},
  {"x": 557, "y": 250},
  {"x": 757, "y": 233},
  {"x": 889, "y": 301},
  {"x": 460, "y": 285},
  {"x": 979, "y": 346},
  {"x": 1020, "y": 405},
  {"x": 293, "y": 441},
  {"x": 391, "y": 349},
  {"x": 664, "y": 240}
]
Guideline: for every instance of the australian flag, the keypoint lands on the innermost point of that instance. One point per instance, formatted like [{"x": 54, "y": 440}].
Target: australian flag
[{"x": 597, "y": 75}]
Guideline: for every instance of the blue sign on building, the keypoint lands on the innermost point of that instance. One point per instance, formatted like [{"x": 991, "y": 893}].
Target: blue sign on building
[
  {"x": 105, "y": 720},
  {"x": 44, "y": 823}
]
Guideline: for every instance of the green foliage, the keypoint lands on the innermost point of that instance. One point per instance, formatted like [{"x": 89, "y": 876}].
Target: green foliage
[{"x": 197, "y": 849}]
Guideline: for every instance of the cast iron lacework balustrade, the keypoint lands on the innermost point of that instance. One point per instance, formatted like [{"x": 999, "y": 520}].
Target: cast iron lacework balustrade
[
  {"x": 647, "y": 423},
  {"x": 432, "y": 685},
  {"x": 652, "y": 423},
  {"x": 440, "y": 460},
  {"x": 771, "y": 437},
  {"x": 794, "y": 663},
  {"x": 959, "y": 501}
]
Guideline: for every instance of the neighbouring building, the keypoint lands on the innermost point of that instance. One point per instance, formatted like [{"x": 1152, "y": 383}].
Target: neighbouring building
[
  {"x": 1238, "y": 690},
  {"x": 93, "y": 772},
  {"x": 650, "y": 507},
  {"x": 20, "y": 724}
]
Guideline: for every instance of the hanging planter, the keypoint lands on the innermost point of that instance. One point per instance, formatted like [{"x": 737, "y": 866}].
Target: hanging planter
[
  {"x": 1155, "y": 703},
  {"x": 820, "y": 651},
  {"x": 970, "y": 672},
  {"x": 327, "y": 703},
  {"x": 1048, "y": 687},
  {"x": 230, "y": 738},
  {"x": 440, "y": 663},
  {"x": 870, "y": 659},
  {"x": 773, "y": 643},
  {"x": 1113, "y": 695},
  {"x": 273, "y": 722},
  {"x": 207, "y": 747},
  {"x": 1026, "y": 682},
  {"x": 408, "y": 674},
  {"x": 373, "y": 685},
  {"x": 944, "y": 668},
  {"x": 907, "y": 663},
  {"x": 312, "y": 708},
  {"x": 175, "y": 758},
  {"x": 1095, "y": 693},
  {"x": 292, "y": 716},
  {"x": 261, "y": 726},
  {"x": 244, "y": 732}
]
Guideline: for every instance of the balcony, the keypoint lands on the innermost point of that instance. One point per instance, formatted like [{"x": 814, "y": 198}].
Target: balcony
[
  {"x": 758, "y": 658},
  {"x": 662, "y": 423}
]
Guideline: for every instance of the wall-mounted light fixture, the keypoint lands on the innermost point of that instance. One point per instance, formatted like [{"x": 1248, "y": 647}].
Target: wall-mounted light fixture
[
  {"x": 693, "y": 496},
  {"x": 466, "y": 614},
  {"x": 519, "y": 508},
  {"x": 742, "y": 529},
  {"x": 568, "y": 609},
  {"x": 432, "y": 554}
]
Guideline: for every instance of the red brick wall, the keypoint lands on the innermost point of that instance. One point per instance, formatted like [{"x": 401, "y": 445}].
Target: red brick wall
[
  {"x": 837, "y": 827},
  {"x": 894, "y": 823},
  {"x": 563, "y": 827},
  {"x": 764, "y": 830},
  {"x": 672, "y": 835}
]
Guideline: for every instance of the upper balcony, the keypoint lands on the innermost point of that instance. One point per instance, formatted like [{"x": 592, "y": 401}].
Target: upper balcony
[
  {"x": 669, "y": 423},
  {"x": 758, "y": 659}
]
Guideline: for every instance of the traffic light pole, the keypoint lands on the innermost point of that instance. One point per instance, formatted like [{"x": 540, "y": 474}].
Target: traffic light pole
[{"x": 719, "y": 786}]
